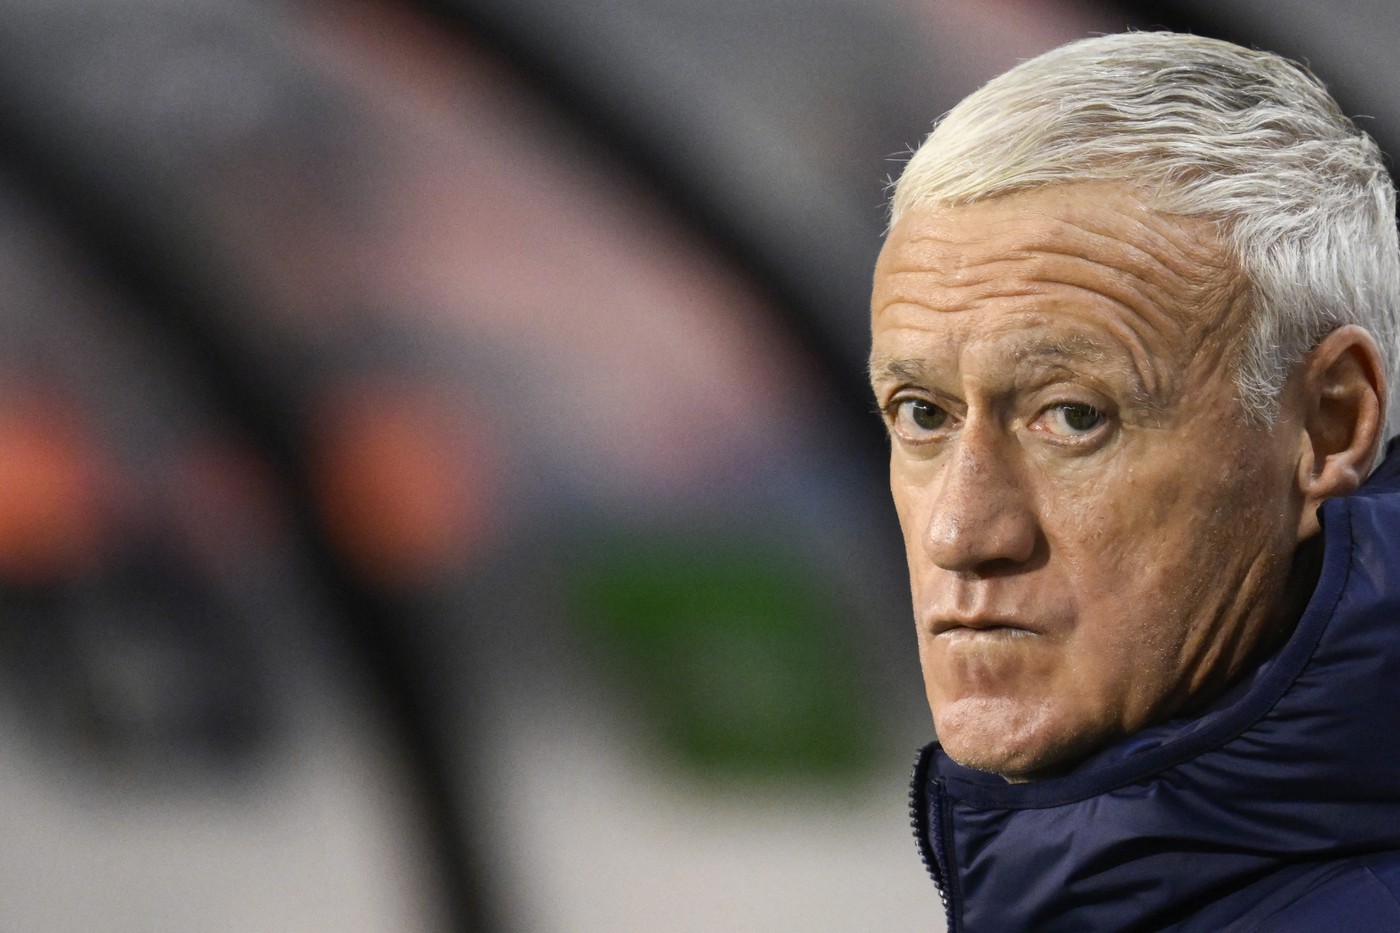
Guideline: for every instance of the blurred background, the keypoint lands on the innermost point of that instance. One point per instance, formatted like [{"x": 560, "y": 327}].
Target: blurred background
[{"x": 438, "y": 487}]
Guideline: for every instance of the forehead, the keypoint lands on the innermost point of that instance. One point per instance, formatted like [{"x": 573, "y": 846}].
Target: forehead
[{"x": 1085, "y": 259}]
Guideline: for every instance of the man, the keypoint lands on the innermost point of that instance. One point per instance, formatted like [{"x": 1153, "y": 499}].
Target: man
[{"x": 1133, "y": 328}]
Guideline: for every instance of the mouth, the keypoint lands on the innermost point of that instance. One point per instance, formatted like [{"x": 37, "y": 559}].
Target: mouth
[
  {"x": 979, "y": 628},
  {"x": 992, "y": 634}
]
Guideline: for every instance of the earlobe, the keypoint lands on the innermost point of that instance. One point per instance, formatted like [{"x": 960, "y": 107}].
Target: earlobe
[{"x": 1343, "y": 385}]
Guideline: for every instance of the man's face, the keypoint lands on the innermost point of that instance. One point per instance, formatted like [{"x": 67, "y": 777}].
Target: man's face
[{"x": 1096, "y": 533}]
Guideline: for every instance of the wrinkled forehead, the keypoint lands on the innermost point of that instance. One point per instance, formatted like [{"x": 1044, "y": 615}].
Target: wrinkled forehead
[{"x": 1099, "y": 240}]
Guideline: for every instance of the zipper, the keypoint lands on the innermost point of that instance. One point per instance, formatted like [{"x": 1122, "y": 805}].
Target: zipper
[{"x": 932, "y": 825}]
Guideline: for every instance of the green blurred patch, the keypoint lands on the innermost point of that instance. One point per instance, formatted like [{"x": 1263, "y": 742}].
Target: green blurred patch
[{"x": 737, "y": 650}]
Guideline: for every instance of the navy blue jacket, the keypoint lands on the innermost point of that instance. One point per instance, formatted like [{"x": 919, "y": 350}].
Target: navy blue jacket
[{"x": 1277, "y": 809}]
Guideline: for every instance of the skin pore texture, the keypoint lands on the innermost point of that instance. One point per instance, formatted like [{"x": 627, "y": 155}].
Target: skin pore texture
[{"x": 1097, "y": 534}]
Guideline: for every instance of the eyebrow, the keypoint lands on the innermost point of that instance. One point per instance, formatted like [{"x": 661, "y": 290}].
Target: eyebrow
[
  {"x": 890, "y": 369},
  {"x": 1051, "y": 353},
  {"x": 1074, "y": 348}
]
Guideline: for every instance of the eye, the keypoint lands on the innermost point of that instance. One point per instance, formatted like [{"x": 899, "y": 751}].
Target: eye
[
  {"x": 1072, "y": 419},
  {"x": 915, "y": 418}
]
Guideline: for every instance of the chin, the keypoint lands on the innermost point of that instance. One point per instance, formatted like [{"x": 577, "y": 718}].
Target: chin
[{"x": 1014, "y": 740}]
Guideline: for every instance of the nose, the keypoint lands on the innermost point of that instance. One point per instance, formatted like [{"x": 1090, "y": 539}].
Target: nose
[{"x": 980, "y": 517}]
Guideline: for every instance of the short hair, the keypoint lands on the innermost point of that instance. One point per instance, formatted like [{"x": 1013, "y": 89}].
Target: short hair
[{"x": 1203, "y": 128}]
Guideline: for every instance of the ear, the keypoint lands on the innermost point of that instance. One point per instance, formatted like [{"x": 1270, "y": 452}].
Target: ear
[{"x": 1344, "y": 391}]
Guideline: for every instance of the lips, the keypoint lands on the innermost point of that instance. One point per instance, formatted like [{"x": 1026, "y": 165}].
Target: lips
[{"x": 988, "y": 624}]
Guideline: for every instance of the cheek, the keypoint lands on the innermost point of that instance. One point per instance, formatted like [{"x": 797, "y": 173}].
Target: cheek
[
  {"x": 910, "y": 507},
  {"x": 1118, "y": 548},
  {"x": 1166, "y": 557},
  {"x": 1147, "y": 512}
]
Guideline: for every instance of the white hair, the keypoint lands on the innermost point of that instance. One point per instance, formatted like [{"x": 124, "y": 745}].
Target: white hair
[{"x": 1202, "y": 128}]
